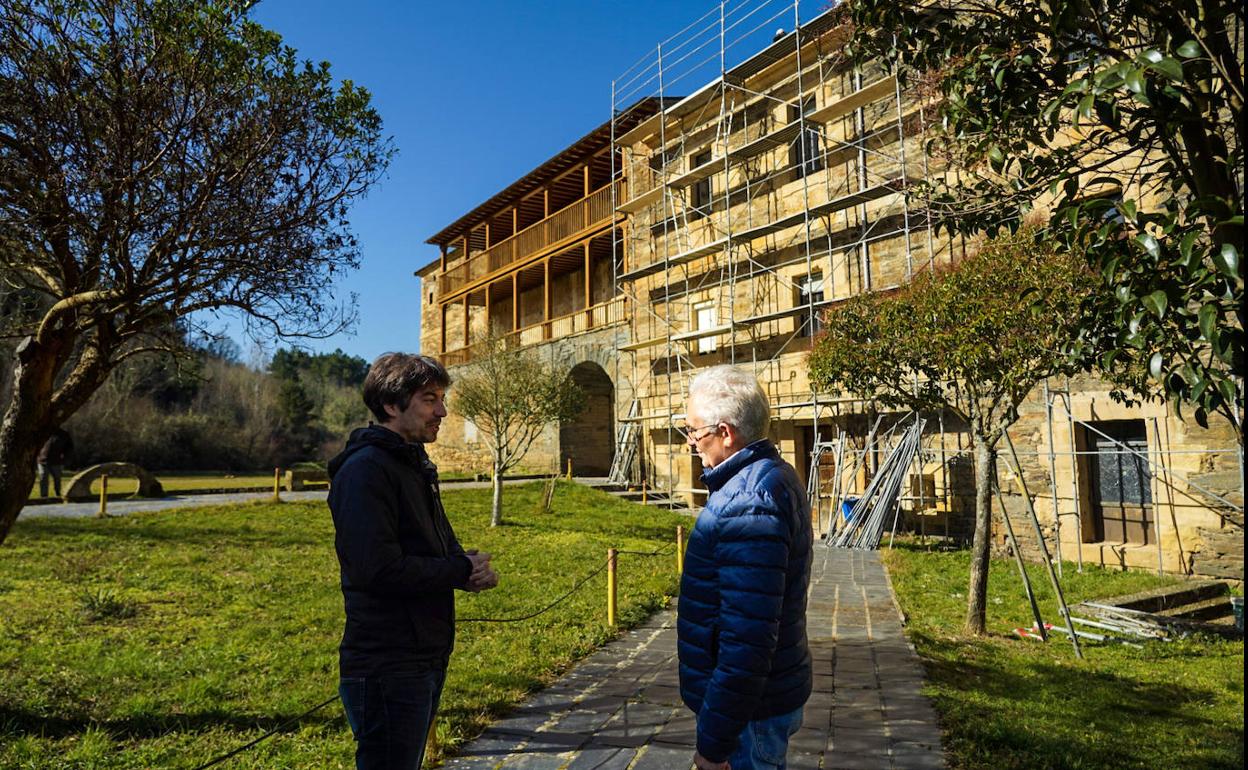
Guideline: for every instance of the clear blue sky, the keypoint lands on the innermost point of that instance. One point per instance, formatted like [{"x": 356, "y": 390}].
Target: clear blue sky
[{"x": 475, "y": 94}]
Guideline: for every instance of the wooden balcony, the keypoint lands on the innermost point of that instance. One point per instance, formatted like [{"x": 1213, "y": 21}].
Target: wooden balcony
[
  {"x": 598, "y": 316},
  {"x": 559, "y": 228}
]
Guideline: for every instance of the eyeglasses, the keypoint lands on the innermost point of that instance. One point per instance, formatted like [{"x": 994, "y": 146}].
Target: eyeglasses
[{"x": 691, "y": 433}]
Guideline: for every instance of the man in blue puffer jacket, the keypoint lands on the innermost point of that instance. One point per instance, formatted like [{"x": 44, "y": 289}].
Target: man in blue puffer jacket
[{"x": 745, "y": 666}]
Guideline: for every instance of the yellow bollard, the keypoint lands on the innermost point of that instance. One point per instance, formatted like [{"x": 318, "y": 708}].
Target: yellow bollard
[
  {"x": 103, "y": 496},
  {"x": 431, "y": 740},
  {"x": 569, "y": 469},
  {"x": 680, "y": 550},
  {"x": 611, "y": 559},
  {"x": 643, "y": 491},
  {"x": 277, "y": 485}
]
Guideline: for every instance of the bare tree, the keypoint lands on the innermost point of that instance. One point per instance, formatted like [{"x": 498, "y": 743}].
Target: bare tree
[
  {"x": 160, "y": 161},
  {"x": 511, "y": 396}
]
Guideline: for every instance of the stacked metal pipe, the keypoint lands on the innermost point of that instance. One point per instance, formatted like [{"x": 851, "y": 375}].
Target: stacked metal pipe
[{"x": 879, "y": 503}]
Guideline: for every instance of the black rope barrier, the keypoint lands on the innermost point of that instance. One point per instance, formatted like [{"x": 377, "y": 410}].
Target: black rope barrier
[
  {"x": 516, "y": 619},
  {"x": 270, "y": 733},
  {"x": 566, "y": 595}
]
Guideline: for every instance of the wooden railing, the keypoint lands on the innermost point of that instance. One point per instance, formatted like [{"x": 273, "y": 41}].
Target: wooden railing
[
  {"x": 597, "y": 316},
  {"x": 559, "y": 226}
]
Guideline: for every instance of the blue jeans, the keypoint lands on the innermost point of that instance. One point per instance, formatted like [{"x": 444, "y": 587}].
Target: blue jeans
[
  {"x": 390, "y": 717},
  {"x": 764, "y": 742}
]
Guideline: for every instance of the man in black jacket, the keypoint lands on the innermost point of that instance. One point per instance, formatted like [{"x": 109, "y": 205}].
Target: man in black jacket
[
  {"x": 51, "y": 460},
  {"x": 400, "y": 563}
]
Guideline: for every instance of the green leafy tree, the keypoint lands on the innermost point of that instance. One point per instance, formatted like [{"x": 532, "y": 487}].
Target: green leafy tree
[
  {"x": 965, "y": 340},
  {"x": 512, "y": 395},
  {"x": 161, "y": 160},
  {"x": 1120, "y": 119}
]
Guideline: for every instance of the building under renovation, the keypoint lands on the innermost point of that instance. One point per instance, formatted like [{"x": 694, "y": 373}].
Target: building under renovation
[{"x": 750, "y": 178}]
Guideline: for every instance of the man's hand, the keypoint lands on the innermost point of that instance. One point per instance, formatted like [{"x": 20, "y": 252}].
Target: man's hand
[
  {"x": 702, "y": 763},
  {"x": 483, "y": 577}
]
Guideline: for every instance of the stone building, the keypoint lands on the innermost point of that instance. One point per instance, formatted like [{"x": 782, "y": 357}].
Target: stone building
[
  {"x": 533, "y": 264},
  {"x": 742, "y": 212}
]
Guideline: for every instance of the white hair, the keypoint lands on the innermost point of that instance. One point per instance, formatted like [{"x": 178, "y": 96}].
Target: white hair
[{"x": 731, "y": 395}]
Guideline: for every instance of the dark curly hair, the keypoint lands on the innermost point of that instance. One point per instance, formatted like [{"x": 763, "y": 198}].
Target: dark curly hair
[{"x": 395, "y": 377}]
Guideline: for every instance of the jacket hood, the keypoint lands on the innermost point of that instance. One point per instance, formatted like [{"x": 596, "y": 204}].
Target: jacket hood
[{"x": 386, "y": 440}]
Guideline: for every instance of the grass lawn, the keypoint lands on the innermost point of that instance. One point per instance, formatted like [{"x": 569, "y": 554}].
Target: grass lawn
[
  {"x": 1005, "y": 702},
  {"x": 163, "y": 640}
]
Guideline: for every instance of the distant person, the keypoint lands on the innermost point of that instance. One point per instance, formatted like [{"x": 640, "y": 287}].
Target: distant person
[
  {"x": 51, "y": 460},
  {"x": 745, "y": 667},
  {"x": 399, "y": 563}
]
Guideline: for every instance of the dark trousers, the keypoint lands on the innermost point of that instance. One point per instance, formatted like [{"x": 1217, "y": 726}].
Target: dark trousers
[
  {"x": 390, "y": 717},
  {"x": 48, "y": 470}
]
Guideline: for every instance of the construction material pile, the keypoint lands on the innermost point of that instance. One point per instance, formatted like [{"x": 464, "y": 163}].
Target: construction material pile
[{"x": 879, "y": 503}]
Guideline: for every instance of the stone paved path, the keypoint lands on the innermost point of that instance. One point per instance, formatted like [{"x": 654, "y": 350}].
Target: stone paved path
[{"x": 620, "y": 709}]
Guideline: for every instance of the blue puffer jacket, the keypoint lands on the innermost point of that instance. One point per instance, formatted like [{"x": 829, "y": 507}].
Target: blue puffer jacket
[{"x": 742, "y": 615}]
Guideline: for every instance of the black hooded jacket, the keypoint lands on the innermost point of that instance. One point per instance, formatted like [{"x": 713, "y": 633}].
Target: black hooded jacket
[{"x": 399, "y": 559}]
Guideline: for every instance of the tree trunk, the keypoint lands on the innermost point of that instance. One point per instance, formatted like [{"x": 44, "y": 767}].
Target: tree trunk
[
  {"x": 27, "y": 424},
  {"x": 977, "y": 591},
  {"x": 496, "y": 505}
]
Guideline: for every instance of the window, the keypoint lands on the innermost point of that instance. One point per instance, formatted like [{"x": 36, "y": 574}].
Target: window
[
  {"x": 701, "y": 193},
  {"x": 1118, "y": 481},
  {"x": 471, "y": 435},
  {"x": 705, "y": 316},
  {"x": 810, "y": 291},
  {"x": 806, "y": 151}
]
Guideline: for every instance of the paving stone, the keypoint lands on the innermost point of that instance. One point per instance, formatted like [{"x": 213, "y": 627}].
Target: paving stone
[
  {"x": 659, "y": 757},
  {"x": 620, "y": 709},
  {"x": 602, "y": 758},
  {"x": 837, "y": 761},
  {"x": 531, "y": 760}
]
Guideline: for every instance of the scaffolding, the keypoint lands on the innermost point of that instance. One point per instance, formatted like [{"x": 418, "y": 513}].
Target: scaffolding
[
  {"x": 771, "y": 184},
  {"x": 774, "y": 190}
]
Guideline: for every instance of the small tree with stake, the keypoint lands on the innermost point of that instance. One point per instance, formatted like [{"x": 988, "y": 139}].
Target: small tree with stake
[
  {"x": 965, "y": 339},
  {"x": 512, "y": 395},
  {"x": 160, "y": 161}
]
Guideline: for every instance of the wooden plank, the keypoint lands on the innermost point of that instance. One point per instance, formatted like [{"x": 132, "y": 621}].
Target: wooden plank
[
  {"x": 781, "y": 136},
  {"x": 693, "y": 175},
  {"x": 828, "y": 207},
  {"x": 642, "y": 344},
  {"x": 697, "y": 334},
  {"x": 633, "y": 205},
  {"x": 863, "y": 96}
]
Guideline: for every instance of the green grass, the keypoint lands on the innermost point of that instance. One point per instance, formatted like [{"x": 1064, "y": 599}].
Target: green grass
[
  {"x": 1007, "y": 703},
  {"x": 162, "y": 640}
]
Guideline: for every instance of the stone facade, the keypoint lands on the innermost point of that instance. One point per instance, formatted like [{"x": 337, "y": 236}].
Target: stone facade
[
  {"x": 746, "y": 210},
  {"x": 588, "y": 441}
]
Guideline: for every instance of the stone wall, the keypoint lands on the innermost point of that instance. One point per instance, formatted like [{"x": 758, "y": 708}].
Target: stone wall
[
  {"x": 1187, "y": 533},
  {"x": 459, "y": 450}
]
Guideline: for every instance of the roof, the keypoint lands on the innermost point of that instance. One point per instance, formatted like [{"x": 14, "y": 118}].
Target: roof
[{"x": 573, "y": 155}]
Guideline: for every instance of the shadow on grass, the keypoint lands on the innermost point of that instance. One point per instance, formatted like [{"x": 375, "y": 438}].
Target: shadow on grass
[
  {"x": 193, "y": 526},
  {"x": 17, "y": 722},
  {"x": 1078, "y": 717}
]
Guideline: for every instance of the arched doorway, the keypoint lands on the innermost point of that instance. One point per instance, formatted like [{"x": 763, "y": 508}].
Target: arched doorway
[{"x": 589, "y": 439}]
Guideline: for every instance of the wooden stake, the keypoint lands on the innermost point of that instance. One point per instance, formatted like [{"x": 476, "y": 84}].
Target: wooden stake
[
  {"x": 277, "y": 485},
  {"x": 1022, "y": 570},
  {"x": 431, "y": 740},
  {"x": 103, "y": 497},
  {"x": 611, "y": 580},
  {"x": 1044, "y": 549}
]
